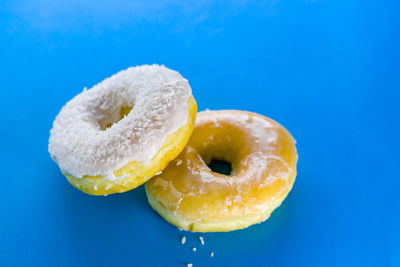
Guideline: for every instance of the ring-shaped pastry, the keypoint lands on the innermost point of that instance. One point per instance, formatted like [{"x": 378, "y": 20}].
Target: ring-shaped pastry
[
  {"x": 262, "y": 155},
  {"x": 120, "y": 133}
]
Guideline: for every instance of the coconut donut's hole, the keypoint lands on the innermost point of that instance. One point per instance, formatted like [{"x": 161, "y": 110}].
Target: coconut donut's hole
[
  {"x": 220, "y": 166},
  {"x": 114, "y": 117}
]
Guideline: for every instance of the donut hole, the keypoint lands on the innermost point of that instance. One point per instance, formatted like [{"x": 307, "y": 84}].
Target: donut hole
[
  {"x": 114, "y": 117},
  {"x": 221, "y": 154},
  {"x": 221, "y": 161},
  {"x": 220, "y": 166}
]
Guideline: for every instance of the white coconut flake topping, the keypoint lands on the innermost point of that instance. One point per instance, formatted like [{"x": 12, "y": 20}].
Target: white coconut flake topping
[{"x": 88, "y": 139}]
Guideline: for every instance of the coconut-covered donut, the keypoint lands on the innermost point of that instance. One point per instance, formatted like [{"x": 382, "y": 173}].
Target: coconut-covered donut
[
  {"x": 120, "y": 133},
  {"x": 262, "y": 155}
]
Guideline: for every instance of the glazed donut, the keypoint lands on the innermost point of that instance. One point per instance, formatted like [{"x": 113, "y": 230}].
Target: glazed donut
[
  {"x": 263, "y": 157},
  {"x": 120, "y": 133}
]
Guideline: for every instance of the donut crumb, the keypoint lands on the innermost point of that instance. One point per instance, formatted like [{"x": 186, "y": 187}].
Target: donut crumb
[
  {"x": 201, "y": 240},
  {"x": 179, "y": 162},
  {"x": 183, "y": 240},
  {"x": 212, "y": 254},
  {"x": 189, "y": 265},
  {"x": 194, "y": 249}
]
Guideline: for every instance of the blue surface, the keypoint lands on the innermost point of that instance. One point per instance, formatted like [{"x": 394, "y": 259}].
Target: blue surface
[{"x": 327, "y": 70}]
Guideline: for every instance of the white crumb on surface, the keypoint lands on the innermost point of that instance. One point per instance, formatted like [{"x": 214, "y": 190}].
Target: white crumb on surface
[
  {"x": 80, "y": 141},
  {"x": 189, "y": 265},
  {"x": 201, "y": 240},
  {"x": 194, "y": 249},
  {"x": 158, "y": 173},
  {"x": 212, "y": 254},
  {"x": 183, "y": 240},
  {"x": 179, "y": 162}
]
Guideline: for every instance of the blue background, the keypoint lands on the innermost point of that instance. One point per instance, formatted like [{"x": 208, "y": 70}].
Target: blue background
[{"x": 327, "y": 70}]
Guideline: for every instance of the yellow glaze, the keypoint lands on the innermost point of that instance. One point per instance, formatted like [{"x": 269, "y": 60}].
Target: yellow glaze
[
  {"x": 263, "y": 157},
  {"x": 136, "y": 173}
]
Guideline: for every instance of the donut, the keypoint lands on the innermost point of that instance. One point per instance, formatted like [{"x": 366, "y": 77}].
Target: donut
[
  {"x": 262, "y": 158},
  {"x": 120, "y": 133}
]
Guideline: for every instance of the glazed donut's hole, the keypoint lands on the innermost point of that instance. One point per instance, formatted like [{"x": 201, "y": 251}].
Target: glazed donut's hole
[
  {"x": 114, "y": 117},
  {"x": 220, "y": 166},
  {"x": 220, "y": 161},
  {"x": 220, "y": 148}
]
